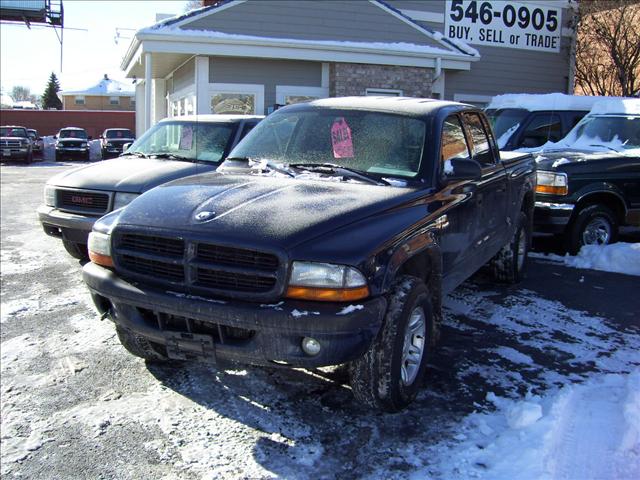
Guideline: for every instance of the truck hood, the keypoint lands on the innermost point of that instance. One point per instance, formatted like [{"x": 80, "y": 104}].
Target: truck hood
[
  {"x": 552, "y": 160},
  {"x": 259, "y": 211},
  {"x": 128, "y": 174}
]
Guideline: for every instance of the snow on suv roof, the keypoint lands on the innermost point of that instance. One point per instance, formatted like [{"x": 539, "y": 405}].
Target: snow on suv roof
[
  {"x": 547, "y": 101},
  {"x": 211, "y": 118},
  {"x": 616, "y": 105},
  {"x": 406, "y": 105}
]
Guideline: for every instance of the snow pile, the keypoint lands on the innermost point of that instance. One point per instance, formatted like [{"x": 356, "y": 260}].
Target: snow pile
[
  {"x": 609, "y": 105},
  {"x": 586, "y": 431},
  {"x": 549, "y": 101},
  {"x": 618, "y": 257}
]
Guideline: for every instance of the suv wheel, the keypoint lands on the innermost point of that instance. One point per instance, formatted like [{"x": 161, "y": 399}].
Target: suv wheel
[
  {"x": 509, "y": 264},
  {"x": 76, "y": 250},
  {"x": 140, "y": 346},
  {"x": 390, "y": 372},
  {"x": 594, "y": 225}
]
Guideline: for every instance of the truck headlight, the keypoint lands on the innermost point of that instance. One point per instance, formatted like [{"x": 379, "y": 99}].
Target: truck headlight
[
  {"x": 552, "y": 183},
  {"x": 99, "y": 247},
  {"x": 83, "y": 145},
  {"x": 49, "y": 196},
  {"x": 326, "y": 282},
  {"x": 123, "y": 199}
]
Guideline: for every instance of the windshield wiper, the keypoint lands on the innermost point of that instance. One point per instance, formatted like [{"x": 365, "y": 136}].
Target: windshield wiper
[
  {"x": 263, "y": 162},
  {"x": 605, "y": 146},
  {"x": 136, "y": 154},
  {"x": 173, "y": 156},
  {"x": 347, "y": 172}
]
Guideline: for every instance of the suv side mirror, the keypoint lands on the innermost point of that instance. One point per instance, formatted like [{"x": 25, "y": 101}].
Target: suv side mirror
[
  {"x": 461, "y": 169},
  {"x": 126, "y": 146}
]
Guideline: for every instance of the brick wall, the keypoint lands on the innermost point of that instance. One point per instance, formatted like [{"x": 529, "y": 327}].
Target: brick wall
[
  {"x": 346, "y": 79},
  {"x": 48, "y": 122}
]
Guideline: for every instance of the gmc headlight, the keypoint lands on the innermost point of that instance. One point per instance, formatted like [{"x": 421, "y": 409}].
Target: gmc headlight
[
  {"x": 99, "y": 247},
  {"x": 326, "y": 282},
  {"x": 552, "y": 183},
  {"x": 123, "y": 199},
  {"x": 49, "y": 196},
  {"x": 83, "y": 145}
]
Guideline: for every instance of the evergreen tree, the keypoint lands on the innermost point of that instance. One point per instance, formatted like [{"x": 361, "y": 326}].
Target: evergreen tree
[{"x": 49, "y": 98}]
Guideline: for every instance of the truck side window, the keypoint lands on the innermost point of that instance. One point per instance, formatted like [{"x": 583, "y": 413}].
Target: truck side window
[
  {"x": 482, "y": 151},
  {"x": 543, "y": 128},
  {"x": 453, "y": 144}
]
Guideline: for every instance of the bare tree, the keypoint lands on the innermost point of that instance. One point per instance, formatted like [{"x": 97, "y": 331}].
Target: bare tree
[{"x": 608, "y": 47}]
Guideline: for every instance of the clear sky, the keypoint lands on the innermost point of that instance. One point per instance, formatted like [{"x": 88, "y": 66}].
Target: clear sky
[{"x": 27, "y": 57}]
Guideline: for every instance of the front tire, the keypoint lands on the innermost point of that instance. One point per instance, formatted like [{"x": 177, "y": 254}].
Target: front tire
[
  {"x": 593, "y": 225},
  {"x": 509, "y": 264},
  {"x": 76, "y": 250},
  {"x": 390, "y": 373}
]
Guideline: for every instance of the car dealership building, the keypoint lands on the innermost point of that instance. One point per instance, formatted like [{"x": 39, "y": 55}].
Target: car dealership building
[{"x": 250, "y": 56}]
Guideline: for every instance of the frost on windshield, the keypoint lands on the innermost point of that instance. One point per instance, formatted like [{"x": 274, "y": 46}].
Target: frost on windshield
[{"x": 372, "y": 142}]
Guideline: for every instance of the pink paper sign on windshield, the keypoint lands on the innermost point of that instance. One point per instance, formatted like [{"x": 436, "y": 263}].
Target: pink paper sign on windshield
[
  {"x": 186, "y": 139},
  {"x": 341, "y": 139}
]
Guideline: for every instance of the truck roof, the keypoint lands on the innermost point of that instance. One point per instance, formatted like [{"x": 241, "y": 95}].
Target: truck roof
[
  {"x": 211, "y": 118},
  {"x": 404, "y": 105}
]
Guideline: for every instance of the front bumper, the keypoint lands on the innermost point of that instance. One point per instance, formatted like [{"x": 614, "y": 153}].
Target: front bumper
[
  {"x": 276, "y": 330},
  {"x": 64, "y": 225},
  {"x": 72, "y": 151},
  {"x": 551, "y": 217},
  {"x": 14, "y": 152}
]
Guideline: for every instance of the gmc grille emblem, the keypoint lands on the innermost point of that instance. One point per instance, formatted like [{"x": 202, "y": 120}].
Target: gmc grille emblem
[{"x": 82, "y": 200}]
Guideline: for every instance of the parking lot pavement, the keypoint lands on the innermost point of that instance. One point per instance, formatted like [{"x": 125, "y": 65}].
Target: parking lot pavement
[{"x": 76, "y": 405}]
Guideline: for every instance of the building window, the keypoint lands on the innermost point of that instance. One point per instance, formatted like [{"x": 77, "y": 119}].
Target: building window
[
  {"x": 383, "y": 92},
  {"x": 79, "y": 100},
  {"x": 289, "y": 94},
  {"x": 114, "y": 100},
  {"x": 240, "y": 103},
  {"x": 132, "y": 102}
]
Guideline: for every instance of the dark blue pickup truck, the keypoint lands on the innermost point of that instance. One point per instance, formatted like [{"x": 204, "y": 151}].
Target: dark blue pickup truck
[{"x": 330, "y": 235}]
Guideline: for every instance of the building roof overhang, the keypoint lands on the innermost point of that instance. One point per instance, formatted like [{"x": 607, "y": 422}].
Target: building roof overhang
[{"x": 172, "y": 37}]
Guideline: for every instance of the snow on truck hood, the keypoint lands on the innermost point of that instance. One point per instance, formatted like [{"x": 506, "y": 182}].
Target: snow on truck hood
[
  {"x": 128, "y": 174},
  {"x": 268, "y": 210}
]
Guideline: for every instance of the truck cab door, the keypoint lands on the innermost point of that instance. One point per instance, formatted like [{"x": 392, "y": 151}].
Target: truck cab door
[{"x": 492, "y": 193}]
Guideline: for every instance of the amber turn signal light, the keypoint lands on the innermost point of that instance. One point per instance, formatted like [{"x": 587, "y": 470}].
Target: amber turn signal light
[
  {"x": 328, "y": 294},
  {"x": 552, "y": 189},
  {"x": 99, "y": 259}
]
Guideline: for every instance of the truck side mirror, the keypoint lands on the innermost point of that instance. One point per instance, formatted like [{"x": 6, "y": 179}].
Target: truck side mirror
[{"x": 458, "y": 169}]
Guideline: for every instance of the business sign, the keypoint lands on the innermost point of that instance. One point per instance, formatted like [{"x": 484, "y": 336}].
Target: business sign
[{"x": 496, "y": 23}]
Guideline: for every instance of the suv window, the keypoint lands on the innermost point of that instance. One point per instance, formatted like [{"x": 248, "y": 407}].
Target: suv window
[
  {"x": 453, "y": 144},
  {"x": 482, "y": 152},
  {"x": 543, "y": 128},
  {"x": 118, "y": 134},
  {"x": 73, "y": 134}
]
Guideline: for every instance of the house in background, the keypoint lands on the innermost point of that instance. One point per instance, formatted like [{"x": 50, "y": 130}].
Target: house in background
[
  {"x": 105, "y": 95},
  {"x": 249, "y": 56}
]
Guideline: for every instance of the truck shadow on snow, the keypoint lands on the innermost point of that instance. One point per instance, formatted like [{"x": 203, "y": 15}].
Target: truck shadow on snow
[{"x": 510, "y": 341}]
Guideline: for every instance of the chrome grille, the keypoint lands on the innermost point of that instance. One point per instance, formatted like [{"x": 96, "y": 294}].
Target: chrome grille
[
  {"x": 198, "y": 267},
  {"x": 83, "y": 201},
  {"x": 11, "y": 143}
]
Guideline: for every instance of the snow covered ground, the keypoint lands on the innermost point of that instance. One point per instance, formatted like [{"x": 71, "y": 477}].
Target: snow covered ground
[{"x": 524, "y": 386}]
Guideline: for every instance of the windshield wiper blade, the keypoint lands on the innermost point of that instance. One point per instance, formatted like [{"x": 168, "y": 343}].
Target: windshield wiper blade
[
  {"x": 173, "y": 156},
  {"x": 602, "y": 145},
  {"x": 263, "y": 162},
  {"x": 348, "y": 172},
  {"x": 136, "y": 154}
]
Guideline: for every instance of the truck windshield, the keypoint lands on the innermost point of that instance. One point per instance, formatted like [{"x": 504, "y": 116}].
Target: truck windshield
[
  {"x": 505, "y": 119},
  {"x": 189, "y": 140},
  {"x": 613, "y": 132},
  {"x": 372, "y": 142},
  {"x": 119, "y": 134},
  {"x": 13, "y": 132},
  {"x": 73, "y": 134}
]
